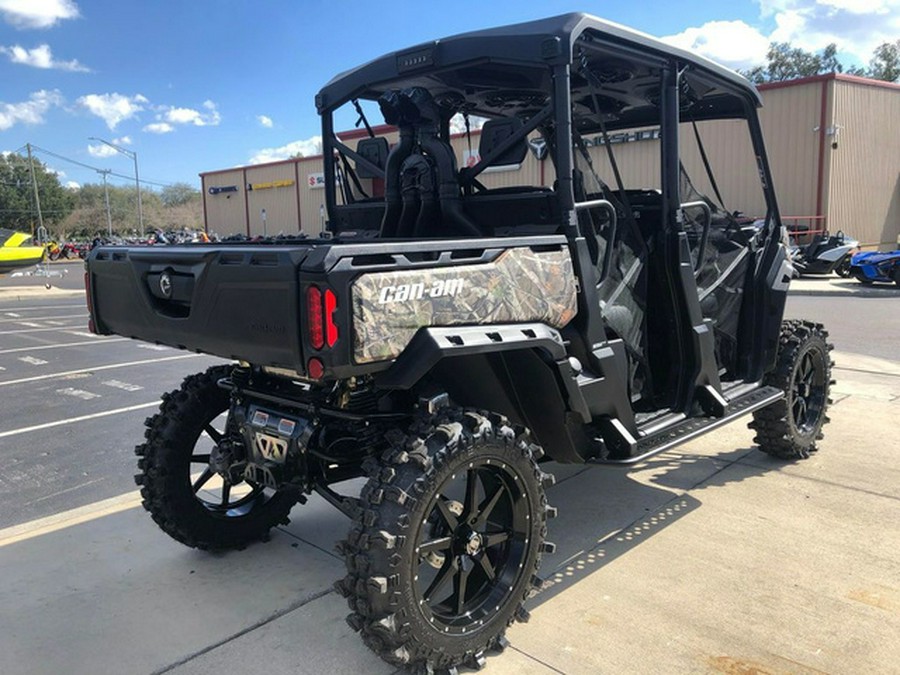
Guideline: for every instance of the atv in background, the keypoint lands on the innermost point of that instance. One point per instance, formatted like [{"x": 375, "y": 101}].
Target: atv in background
[
  {"x": 466, "y": 321},
  {"x": 825, "y": 254},
  {"x": 871, "y": 266}
]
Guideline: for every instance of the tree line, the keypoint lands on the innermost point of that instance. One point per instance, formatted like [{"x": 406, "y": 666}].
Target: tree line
[
  {"x": 81, "y": 212},
  {"x": 784, "y": 62}
]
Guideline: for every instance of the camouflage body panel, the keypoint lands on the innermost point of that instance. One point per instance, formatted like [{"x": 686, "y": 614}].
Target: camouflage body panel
[{"x": 521, "y": 285}]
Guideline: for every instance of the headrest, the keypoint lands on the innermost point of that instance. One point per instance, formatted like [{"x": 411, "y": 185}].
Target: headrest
[
  {"x": 376, "y": 151},
  {"x": 494, "y": 132}
]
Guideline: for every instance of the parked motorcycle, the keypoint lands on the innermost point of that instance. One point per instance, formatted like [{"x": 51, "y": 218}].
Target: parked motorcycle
[
  {"x": 871, "y": 266},
  {"x": 825, "y": 254}
]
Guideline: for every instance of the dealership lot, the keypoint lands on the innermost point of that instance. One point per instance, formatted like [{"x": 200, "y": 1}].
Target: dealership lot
[{"x": 712, "y": 558}]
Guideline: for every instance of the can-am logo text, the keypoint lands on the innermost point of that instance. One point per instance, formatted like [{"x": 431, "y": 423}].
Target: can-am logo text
[{"x": 417, "y": 291}]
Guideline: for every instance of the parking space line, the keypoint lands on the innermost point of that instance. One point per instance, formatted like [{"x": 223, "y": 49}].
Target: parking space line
[
  {"x": 44, "y": 308},
  {"x": 74, "y": 420},
  {"x": 33, "y": 360},
  {"x": 96, "y": 368},
  {"x": 18, "y": 319},
  {"x": 35, "y": 330},
  {"x": 60, "y": 521},
  {"x": 95, "y": 341}
]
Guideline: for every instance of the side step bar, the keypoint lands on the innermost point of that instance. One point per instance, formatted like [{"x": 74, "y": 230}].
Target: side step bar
[{"x": 693, "y": 427}]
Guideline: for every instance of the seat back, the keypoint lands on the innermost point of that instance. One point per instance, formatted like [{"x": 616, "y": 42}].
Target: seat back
[{"x": 494, "y": 132}]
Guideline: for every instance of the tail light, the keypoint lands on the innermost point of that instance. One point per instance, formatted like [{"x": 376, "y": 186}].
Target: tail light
[
  {"x": 320, "y": 308},
  {"x": 89, "y": 300},
  {"x": 315, "y": 315}
]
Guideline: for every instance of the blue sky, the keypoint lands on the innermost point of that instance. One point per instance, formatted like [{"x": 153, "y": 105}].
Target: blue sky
[{"x": 200, "y": 85}]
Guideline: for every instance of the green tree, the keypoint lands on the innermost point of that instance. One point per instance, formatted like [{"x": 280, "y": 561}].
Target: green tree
[
  {"x": 178, "y": 194},
  {"x": 790, "y": 63},
  {"x": 17, "y": 205},
  {"x": 885, "y": 63}
]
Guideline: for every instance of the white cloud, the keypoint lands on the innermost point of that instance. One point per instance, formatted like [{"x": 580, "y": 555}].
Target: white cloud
[
  {"x": 103, "y": 150},
  {"x": 37, "y": 13},
  {"x": 113, "y": 108},
  {"x": 41, "y": 57},
  {"x": 31, "y": 111},
  {"x": 159, "y": 128},
  {"x": 306, "y": 147},
  {"x": 173, "y": 115},
  {"x": 731, "y": 43},
  {"x": 265, "y": 121},
  {"x": 73, "y": 185},
  {"x": 458, "y": 123}
]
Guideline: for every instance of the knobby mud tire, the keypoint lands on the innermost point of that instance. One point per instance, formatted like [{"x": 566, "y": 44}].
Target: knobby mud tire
[
  {"x": 165, "y": 472},
  {"x": 402, "y": 504},
  {"x": 779, "y": 432}
]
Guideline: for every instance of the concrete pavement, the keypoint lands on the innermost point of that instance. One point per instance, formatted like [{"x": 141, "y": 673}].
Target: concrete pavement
[{"x": 709, "y": 559}]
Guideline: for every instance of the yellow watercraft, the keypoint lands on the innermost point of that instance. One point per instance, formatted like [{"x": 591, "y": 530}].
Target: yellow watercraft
[{"x": 17, "y": 252}]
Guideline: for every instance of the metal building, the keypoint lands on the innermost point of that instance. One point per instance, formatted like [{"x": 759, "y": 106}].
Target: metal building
[{"x": 833, "y": 143}]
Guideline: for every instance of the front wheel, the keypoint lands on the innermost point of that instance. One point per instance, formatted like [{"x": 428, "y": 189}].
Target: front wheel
[
  {"x": 446, "y": 545},
  {"x": 185, "y": 496},
  {"x": 843, "y": 267},
  {"x": 789, "y": 428}
]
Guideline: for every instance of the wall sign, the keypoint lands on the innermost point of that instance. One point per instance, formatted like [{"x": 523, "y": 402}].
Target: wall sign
[
  {"x": 271, "y": 184},
  {"x": 624, "y": 137},
  {"x": 316, "y": 181},
  {"x": 221, "y": 189}
]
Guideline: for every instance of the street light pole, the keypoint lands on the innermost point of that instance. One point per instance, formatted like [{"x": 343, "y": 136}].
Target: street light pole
[
  {"x": 137, "y": 180},
  {"x": 105, "y": 172}
]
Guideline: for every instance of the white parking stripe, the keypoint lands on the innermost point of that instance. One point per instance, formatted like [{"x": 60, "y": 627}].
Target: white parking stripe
[
  {"x": 13, "y": 314},
  {"x": 19, "y": 318},
  {"x": 29, "y": 324},
  {"x": 103, "y": 340},
  {"x": 43, "y": 308},
  {"x": 73, "y": 420},
  {"x": 33, "y": 360},
  {"x": 78, "y": 393},
  {"x": 33, "y": 330},
  {"x": 125, "y": 386},
  {"x": 96, "y": 368}
]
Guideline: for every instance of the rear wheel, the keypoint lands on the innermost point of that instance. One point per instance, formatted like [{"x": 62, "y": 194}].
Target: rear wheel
[
  {"x": 843, "y": 268},
  {"x": 445, "y": 549},
  {"x": 861, "y": 276},
  {"x": 187, "y": 498},
  {"x": 789, "y": 428}
]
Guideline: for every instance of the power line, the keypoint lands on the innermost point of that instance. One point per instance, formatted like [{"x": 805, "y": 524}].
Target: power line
[{"x": 94, "y": 168}]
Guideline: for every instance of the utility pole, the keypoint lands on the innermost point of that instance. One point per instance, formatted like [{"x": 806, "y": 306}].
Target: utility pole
[
  {"x": 37, "y": 197},
  {"x": 105, "y": 173},
  {"x": 137, "y": 181}
]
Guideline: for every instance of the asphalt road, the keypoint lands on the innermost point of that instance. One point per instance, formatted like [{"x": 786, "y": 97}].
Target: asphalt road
[{"x": 74, "y": 403}]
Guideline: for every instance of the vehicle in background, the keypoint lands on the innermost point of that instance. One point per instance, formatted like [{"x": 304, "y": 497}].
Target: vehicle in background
[
  {"x": 871, "y": 266},
  {"x": 17, "y": 251},
  {"x": 825, "y": 254}
]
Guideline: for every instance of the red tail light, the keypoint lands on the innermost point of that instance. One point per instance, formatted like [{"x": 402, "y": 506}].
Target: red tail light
[
  {"x": 331, "y": 331},
  {"x": 314, "y": 315},
  {"x": 90, "y": 302}
]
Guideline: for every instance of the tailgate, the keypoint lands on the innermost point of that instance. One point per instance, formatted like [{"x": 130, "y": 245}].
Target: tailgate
[{"x": 235, "y": 302}]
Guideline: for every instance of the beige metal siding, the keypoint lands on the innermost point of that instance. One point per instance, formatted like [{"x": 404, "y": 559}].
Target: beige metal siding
[
  {"x": 225, "y": 212},
  {"x": 310, "y": 198},
  {"x": 864, "y": 185},
  {"x": 790, "y": 121},
  {"x": 275, "y": 190}
]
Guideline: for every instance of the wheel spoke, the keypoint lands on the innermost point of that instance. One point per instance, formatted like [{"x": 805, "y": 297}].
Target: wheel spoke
[
  {"x": 444, "y": 575},
  {"x": 199, "y": 459},
  {"x": 486, "y": 566},
  {"x": 436, "y": 545},
  {"x": 471, "y": 492},
  {"x": 226, "y": 493},
  {"x": 461, "y": 582},
  {"x": 495, "y": 538},
  {"x": 447, "y": 514},
  {"x": 213, "y": 433},
  {"x": 484, "y": 511},
  {"x": 204, "y": 477}
]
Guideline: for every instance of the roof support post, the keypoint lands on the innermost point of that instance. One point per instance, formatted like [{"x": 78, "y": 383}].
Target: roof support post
[{"x": 565, "y": 163}]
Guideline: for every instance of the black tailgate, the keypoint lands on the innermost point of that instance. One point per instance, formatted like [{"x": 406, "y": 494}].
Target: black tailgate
[{"x": 239, "y": 302}]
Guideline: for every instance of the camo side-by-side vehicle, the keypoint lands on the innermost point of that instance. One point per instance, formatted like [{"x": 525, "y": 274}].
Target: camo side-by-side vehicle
[{"x": 457, "y": 326}]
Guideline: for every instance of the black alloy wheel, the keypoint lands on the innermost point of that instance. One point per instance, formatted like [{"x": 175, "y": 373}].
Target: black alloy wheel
[
  {"x": 444, "y": 550},
  {"x": 790, "y": 427},
  {"x": 186, "y": 496}
]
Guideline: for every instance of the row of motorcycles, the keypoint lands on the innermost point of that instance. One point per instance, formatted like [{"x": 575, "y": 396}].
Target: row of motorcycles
[{"x": 839, "y": 253}]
